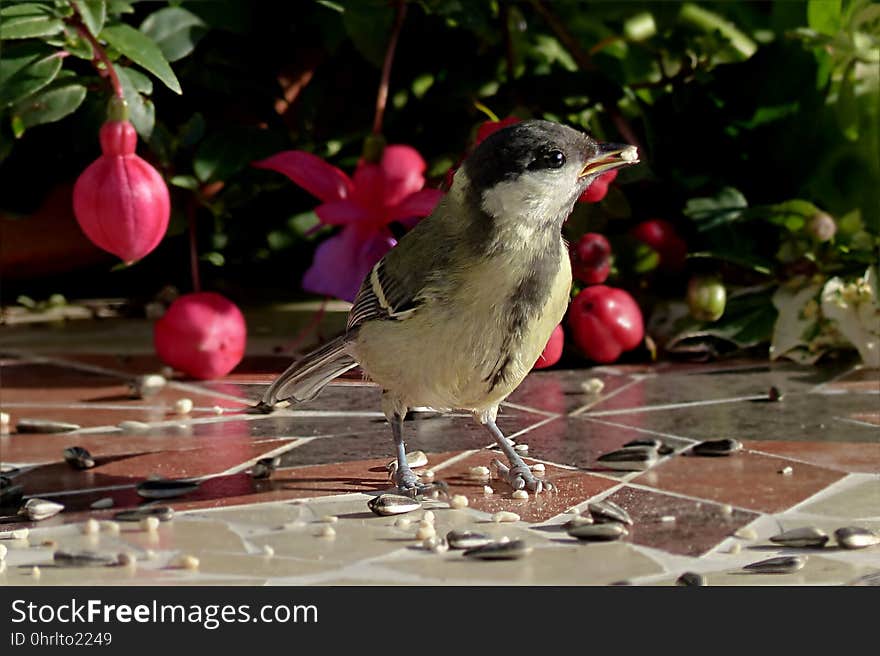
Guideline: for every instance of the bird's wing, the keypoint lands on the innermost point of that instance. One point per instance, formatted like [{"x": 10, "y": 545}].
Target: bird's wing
[{"x": 383, "y": 296}]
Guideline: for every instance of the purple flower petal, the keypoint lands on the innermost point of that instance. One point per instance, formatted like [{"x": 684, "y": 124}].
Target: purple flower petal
[{"x": 341, "y": 212}]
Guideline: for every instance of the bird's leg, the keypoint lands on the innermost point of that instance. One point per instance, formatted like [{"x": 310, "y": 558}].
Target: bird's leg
[
  {"x": 404, "y": 478},
  {"x": 519, "y": 475}
]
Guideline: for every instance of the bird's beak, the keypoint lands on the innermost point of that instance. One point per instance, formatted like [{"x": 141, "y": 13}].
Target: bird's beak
[{"x": 610, "y": 156}]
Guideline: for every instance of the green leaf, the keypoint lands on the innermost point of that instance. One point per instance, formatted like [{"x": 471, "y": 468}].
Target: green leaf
[
  {"x": 141, "y": 111},
  {"x": 185, "y": 182},
  {"x": 847, "y": 110},
  {"x": 93, "y": 13},
  {"x": 175, "y": 30},
  {"x": 745, "y": 260},
  {"x": 51, "y": 104},
  {"x": 141, "y": 50},
  {"x": 726, "y": 206},
  {"x": 25, "y": 70},
  {"x": 23, "y": 21},
  {"x": 223, "y": 154},
  {"x": 368, "y": 24},
  {"x": 116, "y": 7},
  {"x": 824, "y": 15}
]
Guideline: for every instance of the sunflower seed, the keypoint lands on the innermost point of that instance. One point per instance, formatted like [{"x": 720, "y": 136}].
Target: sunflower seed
[
  {"x": 268, "y": 550},
  {"x": 521, "y": 448},
  {"x": 425, "y": 531},
  {"x": 778, "y": 565},
  {"x": 519, "y": 494},
  {"x": 746, "y": 534},
  {"x": 479, "y": 473},
  {"x": 538, "y": 467},
  {"x": 162, "y": 513},
  {"x": 579, "y": 520},
  {"x": 429, "y": 517},
  {"x": 265, "y": 467},
  {"x": 488, "y": 490},
  {"x": 183, "y": 406},
  {"x": 133, "y": 426},
  {"x": 427, "y": 476},
  {"x": 40, "y": 509},
  {"x": 654, "y": 443},
  {"x": 691, "y": 578},
  {"x": 722, "y": 447},
  {"x": 807, "y": 536},
  {"x": 734, "y": 548},
  {"x": 126, "y": 559},
  {"x": 774, "y": 394},
  {"x": 102, "y": 504},
  {"x": 84, "y": 559},
  {"x": 458, "y": 501},
  {"x": 599, "y": 532},
  {"x": 505, "y": 516},
  {"x": 510, "y": 550},
  {"x": 187, "y": 561},
  {"x": 786, "y": 471},
  {"x": 726, "y": 509},
  {"x": 608, "y": 511},
  {"x": 413, "y": 459},
  {"x": 15, "y": 534},
  {"x": 143, "y": 387},
  {"x": 466, "y": 539},
  {"x": 165, "y": 489},
  {"x": 633, "y": 458},
  {"x": 668, "y": 519},
  {"x": 35, "y": 572},
  {"x": 149, "y": 524},
  {"x": 402, "y": 522},
  {"x": 392, "y": 504},
  {"x": 78, "y": 458},
  {"x": 4, "y": 419},
  {"x": 44, "y": 426},
  {"x": 856, "y": 537}
]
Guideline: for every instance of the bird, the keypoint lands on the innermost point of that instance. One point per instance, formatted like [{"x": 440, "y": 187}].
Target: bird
[{"x": 457, "y": 313}]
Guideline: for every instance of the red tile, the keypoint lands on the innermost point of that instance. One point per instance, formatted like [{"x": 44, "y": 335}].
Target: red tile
[
  {"x": 853, "y": 457},
  {"x": 561, "y": 392},
  {"x": 860, "y": 380},
  {"x": 744, "y": 479}
]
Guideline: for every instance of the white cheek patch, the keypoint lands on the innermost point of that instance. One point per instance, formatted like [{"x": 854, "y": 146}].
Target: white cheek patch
[{"x": 531, "y": 199}]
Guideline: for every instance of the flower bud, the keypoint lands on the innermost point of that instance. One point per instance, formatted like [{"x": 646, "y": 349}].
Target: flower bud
[
  {"x": 706, "y": 298},
  {"x": 120, "y": 201},
  {"x": 821, "y": 227}
]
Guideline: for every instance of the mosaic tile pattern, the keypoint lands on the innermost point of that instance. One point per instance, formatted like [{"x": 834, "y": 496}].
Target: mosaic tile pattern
[{"x": 309, "y": 524}]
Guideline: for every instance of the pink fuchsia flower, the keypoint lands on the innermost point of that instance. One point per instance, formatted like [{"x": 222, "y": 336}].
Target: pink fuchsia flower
[{"x": 377, "y": 195}]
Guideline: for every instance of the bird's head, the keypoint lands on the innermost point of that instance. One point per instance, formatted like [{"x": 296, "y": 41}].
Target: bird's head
[{"x": 533, "y": 172}]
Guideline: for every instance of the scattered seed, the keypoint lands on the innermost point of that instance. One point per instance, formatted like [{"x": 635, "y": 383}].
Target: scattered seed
[
  {"x": 690, "y": 578},
  {"x": 746, "y": 533},
  {"x": 579, "y": 520},
  {"x": 327, "y": 532},
  {"x": 538, "y": 467},
  {"x": 133, "y": 426},
  {"x": 217, "y": 410},
  {"x": 726, "y": 509},
  {"x": 786, "y": 471},
  {"x": 101, "y": 504},
  {"x": 392, "y": 504},
  {"x": 774, "y": 394},
  {"x": 425, "y": 531},
  {"x": 807, "y": 536},
  {"x": 90, "y": 527},
  {"x": 856, "y": 537},
  {"x": 126, "y": 559},
  {"x": 143, "y": 387},
  {"x": 40, "y": 509},
  {"x": 605, "y": 532},
  {"x": 165, "y": 489},
  {"x": 15, "y": 534},
  {"x": 44, "y": 426},
  {"x": 458, "y": 501},
  {"x": 466, "y": 539},
  {"x": 436, "y": 544},
  {"x": 593, "y": 386},
  {"x": 110, "y": 527},
  {"x": 427, "y": 475},
  {"x": 84, "y": 558},
  {"x": 183, "y": 406},
  {"x": 650, "y": 442},
  {"x": 268, "y": 551},
  {"x": 413, "y": 459},
  {"x": 149, "y": 554},
  {"x": 723, "y": 447},
  {"x": 187, "y": 562},
  {"x": 78, "y": 458},
  {"x": 505, "y": 516},
  {"x": 162, "y": 513},
  {"x": 265, "y": 467},
  {"x": 479, "y": 473},
  {"x": 510, "y": 550},
  {"x": 778, "y": 565},
  {"x": 35, "y": 572},
  {"x": 521, "y": 448},
  {"x": 734, "y": 548},
  {"x": 488, "y": 490},
  {"x": 668, "y": 519},
  {"x": 519, "y": 494},
  {"x": 429, "y": 517},
  {"x": 402, "y": 522},
  {"x": 608, "y": 511},
  {"x": 149, "y": 524},
  {"x": 633, "y": 458},
  {"x": 329, "y": 519}
]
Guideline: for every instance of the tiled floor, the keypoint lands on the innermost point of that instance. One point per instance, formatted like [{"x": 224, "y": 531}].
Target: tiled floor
[{"x": 700, "y": 514}]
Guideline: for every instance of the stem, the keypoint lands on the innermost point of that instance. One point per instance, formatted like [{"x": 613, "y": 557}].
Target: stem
[
  {"x": 193, "y": 246},
  {"x": 100, "y": 55},
  {"x": 382, "y": 96}
]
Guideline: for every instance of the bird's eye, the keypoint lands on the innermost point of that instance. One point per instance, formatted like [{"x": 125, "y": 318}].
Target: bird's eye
[{"x": 553, "y": 159}]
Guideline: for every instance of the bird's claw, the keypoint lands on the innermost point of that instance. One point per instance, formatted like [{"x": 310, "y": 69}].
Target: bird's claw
[
  {"x": 409, "y": 485},
  {"x": 520, "y": 477}
]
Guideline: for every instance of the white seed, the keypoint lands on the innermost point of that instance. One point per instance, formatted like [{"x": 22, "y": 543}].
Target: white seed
[
  {"x": 458, "y": 501},
  {"x": 40, "y": 509},
  {"x": 726, "y": 509},
  {"x": 667, "y": 519},
  {"x": 183, "y": 406},
  {"x": 268, "y": 551},
  {"x": 150, "y": 524},
  {"x": 786, "y": 471},
  {"x": 126, "y": 559},
  {"x": 327, "y": 532},
  {"x": 503, "y": 539},
  {"x": 538, "y": 467},
  {"x": 427, "y": 475},
  {"x": 17, "y": 534},
  {"x": 479, "y": 473},
  {"x": 435, "y": 544},
  {"x": 100, "y": 504},
  {"x": 426, "y": 524},
  {"x": 35, "y": 572},
  {"x": 488, "y": 490},
  {"x": 505, "y": 516},
  {"x": 521, "y": 448},
  {"x": 425, "y": 532},
  {"x": 187, "y": 561},
  {"x": 3, "y": 551},
  {"x": 217, "y": 410},
  {"x": 735, "y": 548},
  {"x": 593, "y": 386},
  {"x": 519, "y": 494},
  {"x": 110, "y": 527},
  {"x": 90, "y": 527},
  {"x": 428, "y": 517},
  {"x": 133, "y": 426},
  {"x": 402, "y": 522},
  {"x": 746, "y": 534},
  {"x": 329, "y": 519},
  {"x": 631, "y": 154}
]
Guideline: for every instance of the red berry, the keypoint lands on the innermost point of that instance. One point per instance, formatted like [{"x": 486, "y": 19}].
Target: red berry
[
  {"x": 591, "y": 259},
  {"x": 120, "y": 201},
  {"x": 553, "y": 350},
  {"x": 202, "y": 335},
  {"x": 662, "y": 237},
  {"x": 605, "y": 322},
  {"x": 598, "y": 189}
]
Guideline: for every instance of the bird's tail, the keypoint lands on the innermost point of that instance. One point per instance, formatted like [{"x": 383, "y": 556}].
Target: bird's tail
[{"x": 305, "y": 378}]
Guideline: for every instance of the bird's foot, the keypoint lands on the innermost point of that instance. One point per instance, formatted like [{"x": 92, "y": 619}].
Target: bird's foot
[
  {"x": 409, "y": 485},
  {"x": 520, "y": 477}
]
